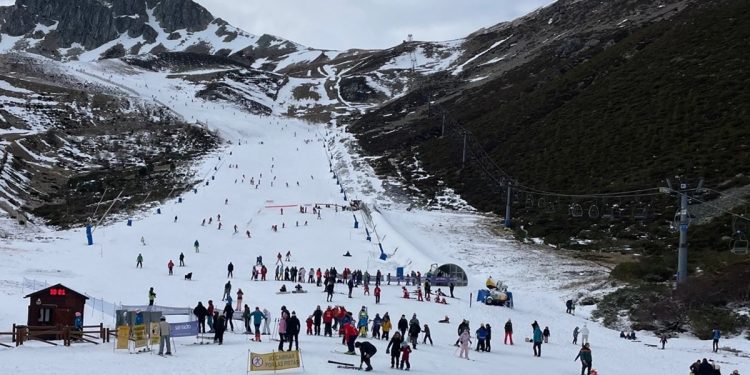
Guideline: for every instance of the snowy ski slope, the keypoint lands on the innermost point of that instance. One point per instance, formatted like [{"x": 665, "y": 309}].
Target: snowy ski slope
[{"x": 289, "y": 151}]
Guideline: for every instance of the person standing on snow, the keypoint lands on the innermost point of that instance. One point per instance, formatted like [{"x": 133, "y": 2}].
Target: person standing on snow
[
  {"x": 229, "y": 313},
  {"x": 240, "y": 294},
  {"x": 405, "y": 351},
  {"x": 350, "y": 336},
  {"x": 387, "y": 325},
  {"x": 182, "y": 260},
  {"x": 545, "y": 335},
  {"x": 537, "y": 339},
  {"x": 584, "y": 334},
  {"x": 246, "y": 317},
  {"x": 575, "y": 335},
  {"x": 427, "y": 335},
  {"x": 465, "y": 340},
  {"x": 164, "y": 337},
  {"x": 282, "y": 329},
  {"x": 230, "y": 270},
  {"x": 257, "y": 319},
  {"x": 170, "y": 265},
  {"x": 210, "y": 316},
  {"x": 414, "y": 330},
  {"x": 317, "y": 318},
  {"x": 151, "y": 296},
  {"x": 200, "y": 312},
  {"x": 327, "y": 321},
  {"x": 715, "y": 335},
  {"x": 481, "y": 337},
  {"x": 376, "y": 292},
  {"x": 267, "y": 319},
  {"x": 394, "y": 347},
  {"x": 220, "y": 325},
  {"x": 227, "y": 291},
  {"x": 350, "y": 284},
  {"x": 139, "y": 261},
  {"x": 292, "y": 331},
  {"x": 487, "y": 340},
  {"x": 196, "y": 245},
  {"x": 585, "y": 355},
  {"x": 508, "y": 332}
]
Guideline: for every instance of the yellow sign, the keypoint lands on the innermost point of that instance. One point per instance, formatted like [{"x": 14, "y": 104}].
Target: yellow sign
[
  {"x": 274, "y": 361},
  {"x": 123, "y": 335},
  {"x": 154, "y": 333},
  {"x": 139, "y": 334}
]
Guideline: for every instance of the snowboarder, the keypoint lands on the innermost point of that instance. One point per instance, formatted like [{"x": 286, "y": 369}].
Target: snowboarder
[
  {"x": 537, "y": 339},
  {"x": 139, "y": 261},
  {"x": 182, "y": 260},
  {"x": 585, "y": 355},
  {"x": 465, "y": 341},
  {"x": 584, "y": 334},
  {"x": 151, "y": 296},
  {"x": 366, "y": 350},
  {"x": 575, "y": 335},
  {"x": 230, "y": 270},
  {"x": 508, "y": 332},
  {"x": 196, "y": 245},
  {"x": 170, "y": 265}
]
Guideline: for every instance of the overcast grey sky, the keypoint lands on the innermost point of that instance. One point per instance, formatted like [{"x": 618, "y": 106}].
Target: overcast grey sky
[{"x": 343, "y": 24}]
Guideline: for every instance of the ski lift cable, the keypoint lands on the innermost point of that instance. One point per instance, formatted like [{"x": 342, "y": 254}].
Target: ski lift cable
[
  {"x": 737, "y": 198},
  {"x": 712, "y": 206}
]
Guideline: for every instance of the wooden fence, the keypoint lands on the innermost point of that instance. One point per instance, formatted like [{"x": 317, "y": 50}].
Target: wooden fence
[{"x": 48, "y": 334}]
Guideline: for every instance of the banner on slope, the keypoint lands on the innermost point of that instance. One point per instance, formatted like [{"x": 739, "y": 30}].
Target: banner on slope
[
  {"x": 155, "y": 336},
  {"x": 273, "y": 361},
  {"x": 184, "y": 329},
  {"x": 139, "y": 335}
]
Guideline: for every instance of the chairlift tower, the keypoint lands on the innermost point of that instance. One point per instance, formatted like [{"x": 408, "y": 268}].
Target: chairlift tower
[
  {"x": 683, "y": 191},
  {"x": 413, "y": 60}
]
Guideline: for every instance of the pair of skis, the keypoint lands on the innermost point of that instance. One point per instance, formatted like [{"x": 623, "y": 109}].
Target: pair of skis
[{"x": 344, "y": 365}]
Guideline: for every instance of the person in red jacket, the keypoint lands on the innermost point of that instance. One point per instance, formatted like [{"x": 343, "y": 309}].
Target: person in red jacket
[
  {"x": 405, "y": 351},
  {"x": 419, "y": 293},
  {"x": 350, "y": 335},
  {"x": 170, "y": 265},
  {"x": 309, "y": 323},
  {"x": 406, "y": 292},
  {"x": 376, "y": 291},
  {"x": 327, "y": 321}
]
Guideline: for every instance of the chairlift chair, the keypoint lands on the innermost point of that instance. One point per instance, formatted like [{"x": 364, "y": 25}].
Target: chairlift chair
[
  {"x": 541, "y": 203},
  {"x": 593, "y": 211},
  {"x": 576, "y": 210},
  {"x": 740, "y": 246},
  {"x": 529, "y": 202},
  {"x": 550, "y": 208}
]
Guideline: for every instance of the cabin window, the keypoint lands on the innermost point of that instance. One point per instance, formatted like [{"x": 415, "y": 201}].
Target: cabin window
[{"x": 45, "y": 315}]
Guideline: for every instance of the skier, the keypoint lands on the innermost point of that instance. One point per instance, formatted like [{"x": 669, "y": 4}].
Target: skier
[
  {"x": 394, "y": 345},
  {"x": 151, "y": 296},
  {"x": 257, "y": 316},
  {"x": 317, "y": 317},
  {"x": 537, "y": 339},
  {"x": 230, "y": 270},
  {"x": 464, "y": 325},
  {"x": 508, "y": 332},
  {"x": 366, "y": 351},
  {"x": 139, "y": 261},
  {"x": 585, "y": 355},
  {"x": 292, "y": 331},
  {"x": 545, "y": 334},
  {"x": 376, "y": 292},
  {"x": 164, "y": 337},
  {"x": 170, "y": 265},
  {"x": 427, "y": 335},
  {"x": 196, "y": 245},
  {"x": 288, "y": 255},
  {"x": 584, "y": 334},
  {"x": 465, "y": 340},
  {"x": 182, "y": 260},
  {"x": 200, "y": 312},
  {"x": 575, "y": 335},
  {"x": 227, "y": 291}
]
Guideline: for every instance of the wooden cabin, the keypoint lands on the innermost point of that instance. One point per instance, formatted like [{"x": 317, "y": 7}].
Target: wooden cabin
[{"x": 55, "y": 305}]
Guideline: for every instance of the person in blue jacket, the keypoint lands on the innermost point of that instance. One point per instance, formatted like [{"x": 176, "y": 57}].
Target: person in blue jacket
[
  {"x": 78, "y": 322},
  {"x": 481, "y": 337},
  {"x": 716, "y": 335},
  {"x": 537, "y": 339}
]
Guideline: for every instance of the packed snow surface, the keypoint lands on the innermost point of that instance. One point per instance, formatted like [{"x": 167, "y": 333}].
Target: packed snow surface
[{"x": 273, "y": 152}]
